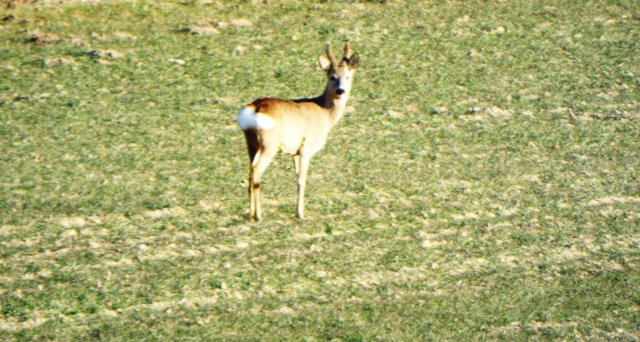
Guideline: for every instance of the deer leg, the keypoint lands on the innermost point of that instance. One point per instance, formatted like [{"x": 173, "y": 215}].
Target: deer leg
[
  {"x": 253, "y": 147},
  {"x": 252, "y": 197},
  {"x": 260, "y": 164},
  {"x": 303, "y": 168},
  {"x": 296, "y": 163},
  {"x": 252, "y": 187}
]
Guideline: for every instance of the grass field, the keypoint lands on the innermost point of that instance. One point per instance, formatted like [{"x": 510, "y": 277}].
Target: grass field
[{"x": 483, "y": 183}]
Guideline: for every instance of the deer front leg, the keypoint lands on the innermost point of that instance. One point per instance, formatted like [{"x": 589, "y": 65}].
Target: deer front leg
[
  {"x": 303, "y": 168},
  {"x": 296, "y": 163}
]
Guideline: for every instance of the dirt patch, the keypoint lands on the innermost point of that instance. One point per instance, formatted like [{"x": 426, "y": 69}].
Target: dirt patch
[
  {"x": 166, "y": 212},
  {"x": 11, "y": 4},
  {"x": 614, "y": 200},
  {"x": 40, "y": 37},
  {"x": 201, "y": 30},
  {"x": 24, "y": 325}
]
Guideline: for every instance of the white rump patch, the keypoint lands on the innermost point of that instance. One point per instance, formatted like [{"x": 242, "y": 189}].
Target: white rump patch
[{"x": 248, "y": 119}]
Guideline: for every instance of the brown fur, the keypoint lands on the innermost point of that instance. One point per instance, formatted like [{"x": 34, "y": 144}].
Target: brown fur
[{"x": 300, "y": 128}]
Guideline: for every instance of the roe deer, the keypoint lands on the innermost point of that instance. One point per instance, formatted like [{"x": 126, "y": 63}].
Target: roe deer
[{"x": 298, "y": 127}]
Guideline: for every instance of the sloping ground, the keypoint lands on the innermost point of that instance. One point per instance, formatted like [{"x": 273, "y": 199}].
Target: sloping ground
[{"x": 483, "y": 183}]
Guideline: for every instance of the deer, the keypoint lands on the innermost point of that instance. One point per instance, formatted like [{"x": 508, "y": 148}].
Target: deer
[{"x": 298, "y": 127}]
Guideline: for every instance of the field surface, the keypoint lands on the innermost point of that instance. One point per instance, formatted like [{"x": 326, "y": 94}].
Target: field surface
[{"x": 483, "y": 184}]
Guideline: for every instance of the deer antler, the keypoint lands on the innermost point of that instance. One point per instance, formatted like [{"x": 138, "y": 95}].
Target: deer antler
[
  {"x": 332, "y": 58},
  {"x": 347, "y": 50}
]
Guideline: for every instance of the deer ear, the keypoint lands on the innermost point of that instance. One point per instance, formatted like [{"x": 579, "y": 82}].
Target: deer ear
[
  {"x": 354, "y": 61},
  {"x": 325, "y": 63}
]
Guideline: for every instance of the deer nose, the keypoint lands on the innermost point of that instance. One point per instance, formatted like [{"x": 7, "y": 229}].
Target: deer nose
[{"x": 339, "y": 91}]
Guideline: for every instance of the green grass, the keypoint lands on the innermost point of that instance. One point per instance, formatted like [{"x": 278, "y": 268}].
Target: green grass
[{"x": 483, "y": 184}]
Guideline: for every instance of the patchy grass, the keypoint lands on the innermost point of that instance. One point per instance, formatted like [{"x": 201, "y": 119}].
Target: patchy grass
[{"x": 484, "y": 183}]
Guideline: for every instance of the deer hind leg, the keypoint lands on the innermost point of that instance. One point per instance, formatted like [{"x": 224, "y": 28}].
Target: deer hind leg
[
  {"x": 253, "y": 147},
  {"x": 262, "y": 160}
]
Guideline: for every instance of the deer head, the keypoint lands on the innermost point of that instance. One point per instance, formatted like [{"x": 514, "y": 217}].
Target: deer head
[{"x": 339, "y": 74}]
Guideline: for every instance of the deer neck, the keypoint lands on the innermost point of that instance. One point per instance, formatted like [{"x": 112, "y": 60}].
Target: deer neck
[{"x": 334, "y": 106}]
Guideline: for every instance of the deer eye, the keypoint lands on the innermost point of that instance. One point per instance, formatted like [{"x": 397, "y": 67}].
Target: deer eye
[{"x": 333, "y": 77}]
